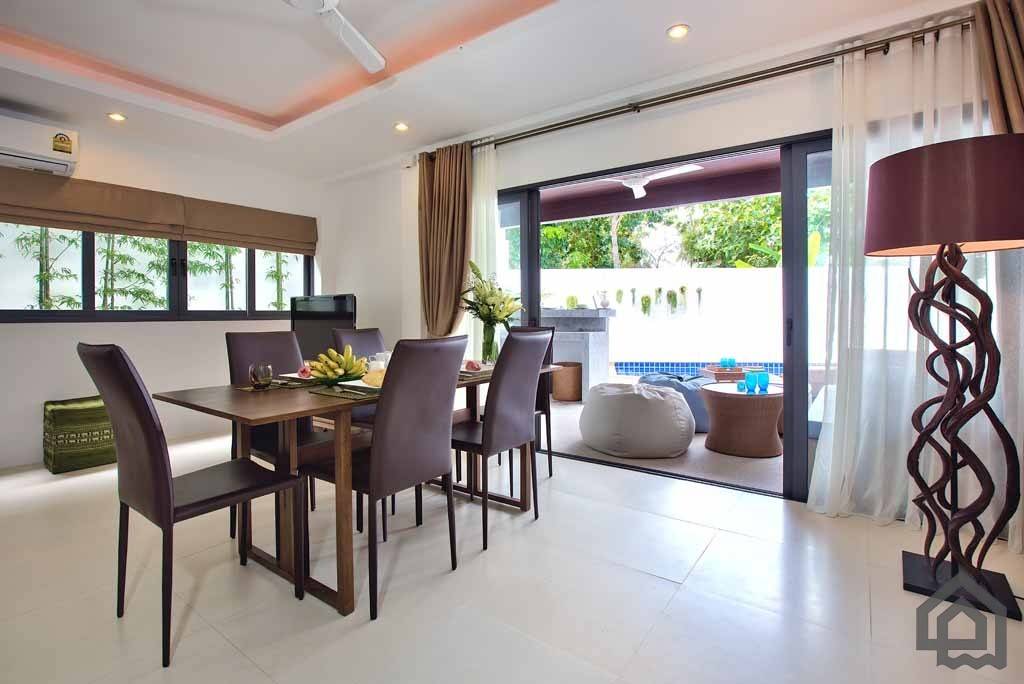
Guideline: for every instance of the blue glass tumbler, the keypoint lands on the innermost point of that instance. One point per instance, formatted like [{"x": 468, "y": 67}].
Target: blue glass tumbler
[
  {"x": 751, "y": 382},
  {"x": 762, "y": 381}
]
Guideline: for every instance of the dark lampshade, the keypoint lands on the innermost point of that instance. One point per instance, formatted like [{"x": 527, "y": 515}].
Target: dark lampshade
[{"x": 968, "y": 191}]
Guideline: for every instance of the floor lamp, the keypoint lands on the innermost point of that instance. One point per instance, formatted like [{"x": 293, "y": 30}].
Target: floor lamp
[{"x": 947, "y": 200}]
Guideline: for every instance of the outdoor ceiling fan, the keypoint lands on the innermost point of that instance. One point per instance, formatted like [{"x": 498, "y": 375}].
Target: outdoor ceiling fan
[
  {"x": 637, "y": 181},
  {"x": 342, "y": 29}
]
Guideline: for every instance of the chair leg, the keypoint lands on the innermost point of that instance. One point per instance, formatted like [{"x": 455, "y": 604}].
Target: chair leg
[
  {"x": 447, "y": 480},
  {"x": 122, "y": 557},
  {"x": 499, "y": 458},
  {"x": 393, "y": 507},
  {"x": 371, "y": 513},
  {"x": 511, "y": 475},
  {"x": 312, "y": 494},
  {"x": 384, "y": 518},
  {"x": 471, "y": 474},
  {"x": 458, "y": 466},
  {"x": 233, "y": 512},
  {"x": 533, "y": 480},
  {"x": 359, "y": 512},
  {"x": 168, "y": 562},
  {"x": 301, "y": 536},
  {"x": 419, "y": 505},
  {"x": 484, "y": 497},
  {"x": 243, "y": 533},
  {"x": 547, "y": 421}
]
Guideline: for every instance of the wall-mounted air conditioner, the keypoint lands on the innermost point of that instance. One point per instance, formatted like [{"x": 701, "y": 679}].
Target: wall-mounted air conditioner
[{"x": 38, "y": 147}]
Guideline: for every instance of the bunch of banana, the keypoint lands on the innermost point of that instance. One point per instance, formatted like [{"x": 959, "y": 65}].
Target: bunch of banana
[{"x": 332, "y": 365}]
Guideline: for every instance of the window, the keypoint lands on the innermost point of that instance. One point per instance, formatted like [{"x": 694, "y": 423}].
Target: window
[
  {"x": 279, "y": 277},
  {"x": 131, "y": 273},
  {"x": 216, "y": 277},
  {"x": 42, "y": 268},
  {"x": 52, "y": 274}
]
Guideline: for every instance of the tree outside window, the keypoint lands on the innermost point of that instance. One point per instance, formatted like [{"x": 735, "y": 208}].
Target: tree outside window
[
  {"x": 131, "y": 273},
  {"x": 51, "y": 258},
  {"x": 216, "y": 277}
]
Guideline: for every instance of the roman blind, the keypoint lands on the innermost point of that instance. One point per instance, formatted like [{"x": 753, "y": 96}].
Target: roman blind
[{"x": 31, "y": 198}]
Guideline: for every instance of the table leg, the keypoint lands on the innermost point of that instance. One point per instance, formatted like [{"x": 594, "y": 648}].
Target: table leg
[
  {"x": 473, "y": 478},
  {"x": 343, "y": 511},
  {"x": 286, "y": 500},
  {"x": 243, "y": 445}
]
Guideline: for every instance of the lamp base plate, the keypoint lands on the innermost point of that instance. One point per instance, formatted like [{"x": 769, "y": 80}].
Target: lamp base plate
[{"x": 917, "y": 578}]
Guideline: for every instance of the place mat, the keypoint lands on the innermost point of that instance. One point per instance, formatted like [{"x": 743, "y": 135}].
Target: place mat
[
  {"x": 342, "y": 392},
  {"x": 277, "y": 384}
]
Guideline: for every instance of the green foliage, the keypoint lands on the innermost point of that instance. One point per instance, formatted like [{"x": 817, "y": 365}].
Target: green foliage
[
  {"x": 657, "y": 295},
  {"x": 571, "y": 302},
  {"x": 218, "y": 260},
  {"x": 278, "y": 274},
  {"x": 618, "y": 296},
  {"x": 587, "y": 243},
  {"x": 673, "y": 302},
  {"x": 645, "y": 305},
  {"x": 46, "y": 247},
  {"x": 123, "y": 278},
  {"x": 489, "y": 303},
  {"x": 721, "y": 233}
]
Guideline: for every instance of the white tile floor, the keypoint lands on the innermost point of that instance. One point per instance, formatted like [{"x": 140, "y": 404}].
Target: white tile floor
[{"x": 626, "y": 578}]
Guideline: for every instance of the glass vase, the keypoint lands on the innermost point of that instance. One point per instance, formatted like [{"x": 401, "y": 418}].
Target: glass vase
[{"x": 490, "y": 346}]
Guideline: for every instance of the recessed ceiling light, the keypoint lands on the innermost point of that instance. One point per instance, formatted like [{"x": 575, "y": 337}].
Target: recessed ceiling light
[
  {"x": 116, "y": 116},
  {"x": 678, "y": 31},
  {"x": 401, "y": 126}
]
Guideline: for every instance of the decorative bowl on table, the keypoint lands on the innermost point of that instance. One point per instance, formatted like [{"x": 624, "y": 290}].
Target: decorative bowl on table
[{"x": 332, "y": 368}]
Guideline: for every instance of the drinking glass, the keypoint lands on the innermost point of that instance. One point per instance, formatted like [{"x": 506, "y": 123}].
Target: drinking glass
[
  {"x": 261, "y": 374},
  {"x": 724, "y": 362},
  {"x": 741, "y": 386},
  {"x": 751, "y": 382},
  {"x": 762, "y": 381}
]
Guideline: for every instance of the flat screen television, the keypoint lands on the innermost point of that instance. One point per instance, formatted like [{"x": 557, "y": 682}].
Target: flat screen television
[{"x": 314, "y": 317}]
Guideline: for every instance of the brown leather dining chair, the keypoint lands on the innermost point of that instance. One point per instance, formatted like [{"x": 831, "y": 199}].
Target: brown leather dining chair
[
  {"x": 365, "y": 342},
  {"x": 145, "y": 484},
  {"x": 411, "y": 440},
  {"x": 281, "y": 350},
  {"x": 508, "y": 414}
]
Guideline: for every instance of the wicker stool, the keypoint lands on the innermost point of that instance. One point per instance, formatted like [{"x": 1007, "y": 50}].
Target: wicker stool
[{"x": 743, "y": 424}]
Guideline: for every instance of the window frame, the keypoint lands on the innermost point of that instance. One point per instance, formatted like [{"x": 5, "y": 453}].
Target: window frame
[{"x": 177, "y": 294}]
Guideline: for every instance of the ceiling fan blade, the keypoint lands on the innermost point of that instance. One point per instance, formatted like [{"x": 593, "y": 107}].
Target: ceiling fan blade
[
  {"x": 668, "y": 173},
  {"x": 361, "y": 49}
]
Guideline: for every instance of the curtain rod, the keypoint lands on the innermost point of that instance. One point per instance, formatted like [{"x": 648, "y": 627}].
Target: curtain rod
[{"x": 881, "y": 45}]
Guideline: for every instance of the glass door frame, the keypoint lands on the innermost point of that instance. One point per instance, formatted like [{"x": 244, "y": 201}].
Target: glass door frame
[
  {"x": 528, "y": 200},
  {"x": 795, "y": 452}
]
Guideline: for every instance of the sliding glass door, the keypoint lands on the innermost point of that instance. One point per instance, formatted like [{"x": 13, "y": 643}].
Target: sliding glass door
[{"x": 806, "y": 217}]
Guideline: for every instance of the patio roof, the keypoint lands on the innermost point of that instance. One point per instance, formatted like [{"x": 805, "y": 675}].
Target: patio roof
[{"x": 753, "y": 173}]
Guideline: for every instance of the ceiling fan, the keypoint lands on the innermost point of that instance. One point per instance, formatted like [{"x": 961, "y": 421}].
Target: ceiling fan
[
  {"x": 342, "y": 29},
  {"x": 637, "y": 181}
]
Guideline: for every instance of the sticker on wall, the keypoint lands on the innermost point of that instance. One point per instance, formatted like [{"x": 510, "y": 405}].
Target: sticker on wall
[{"x": 62, "y": 143}]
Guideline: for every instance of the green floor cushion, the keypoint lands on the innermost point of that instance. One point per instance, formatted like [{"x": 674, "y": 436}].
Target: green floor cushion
[{"x": 76, "y": 434}]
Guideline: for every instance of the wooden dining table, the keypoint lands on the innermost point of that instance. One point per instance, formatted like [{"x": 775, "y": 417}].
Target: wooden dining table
[{"x": 286, "y": 406}]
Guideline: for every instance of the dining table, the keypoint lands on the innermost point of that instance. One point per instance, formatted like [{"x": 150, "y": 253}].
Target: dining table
[{"x": 289, "y": 402}]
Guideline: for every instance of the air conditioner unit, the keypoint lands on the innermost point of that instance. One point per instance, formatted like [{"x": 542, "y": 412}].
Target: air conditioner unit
[{"x": 38, "y": 147}]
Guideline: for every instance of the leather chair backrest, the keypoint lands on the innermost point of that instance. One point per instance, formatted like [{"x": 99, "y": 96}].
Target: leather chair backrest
[
  {"x": 278, "y": 348},
  {"x": 143, "y": 468},
  {"x": 512, "y": 395},
  {"x": 412, "y": 435},
  {"x": 543, "y": 383},
  {"x": 365, "y": 341}
]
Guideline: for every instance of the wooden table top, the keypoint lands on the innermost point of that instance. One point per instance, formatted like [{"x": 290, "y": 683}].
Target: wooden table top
[{"x": 274, "y": 406}]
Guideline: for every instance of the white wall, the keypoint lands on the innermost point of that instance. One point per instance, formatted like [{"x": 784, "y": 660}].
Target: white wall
[{"x": 38, "y": 361}]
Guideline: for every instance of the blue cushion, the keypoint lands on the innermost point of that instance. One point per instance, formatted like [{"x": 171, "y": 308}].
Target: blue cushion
[{"x": 690, "y": 389}]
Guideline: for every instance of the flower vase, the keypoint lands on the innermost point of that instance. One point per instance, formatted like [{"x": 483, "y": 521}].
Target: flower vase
[{"x": 490, "y": 346}]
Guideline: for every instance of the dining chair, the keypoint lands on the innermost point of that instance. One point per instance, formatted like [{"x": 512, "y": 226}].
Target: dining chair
[
  {"x": 543, "y": 407},
  {"x": 365, "y": 342},
  {"x": 411, "y": 440},
  {"x": 509, "y": 418},
  {"x": 145, "y": 484},
  {"x": 281, "y": 350}
]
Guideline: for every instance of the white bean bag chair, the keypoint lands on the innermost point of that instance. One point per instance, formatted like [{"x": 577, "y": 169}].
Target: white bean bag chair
[{"x": 636, "y": 421}]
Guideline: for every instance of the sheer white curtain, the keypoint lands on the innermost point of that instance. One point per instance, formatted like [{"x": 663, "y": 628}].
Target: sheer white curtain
[
  {"x": 485, "y": 222},
  {"x": 914, "y": 95}
]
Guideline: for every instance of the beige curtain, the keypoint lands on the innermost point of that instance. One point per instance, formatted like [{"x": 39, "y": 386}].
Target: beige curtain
[
  {"x": 1000, "y": 25},
  {"x": 445, "y": 208}
]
